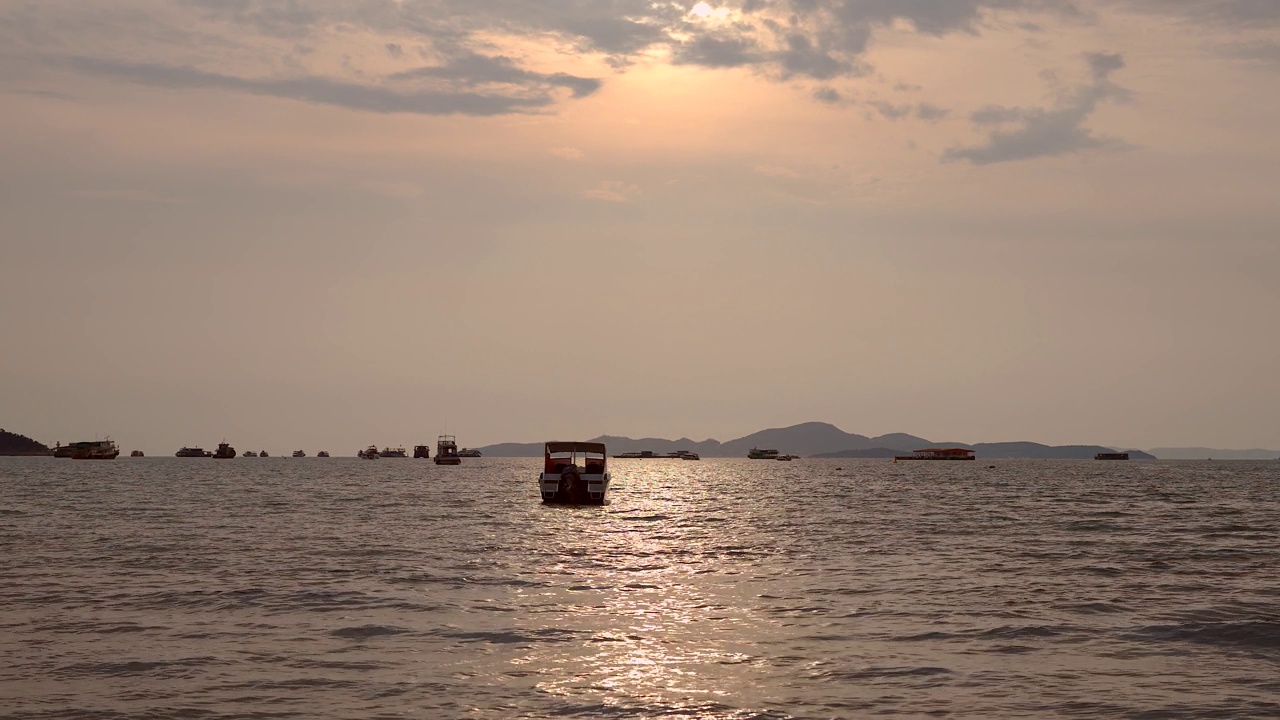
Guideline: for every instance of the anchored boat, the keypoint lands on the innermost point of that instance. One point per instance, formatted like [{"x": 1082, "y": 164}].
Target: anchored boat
[
  {"x": 574, "y": 473},
  {"x": 447, "y": 451}
]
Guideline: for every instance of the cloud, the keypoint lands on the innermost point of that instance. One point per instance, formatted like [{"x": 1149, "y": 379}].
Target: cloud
[
  {"x": 922, "y": 111},
  {"x": 1025, "y": 133},
  {"x": 1265, "y": 52},
  {"x": 518, "y": 91},
  {"x": 472, "y": 70},
  {"x": 613, "y": 191},
  {"x": 568, "y": 153}
]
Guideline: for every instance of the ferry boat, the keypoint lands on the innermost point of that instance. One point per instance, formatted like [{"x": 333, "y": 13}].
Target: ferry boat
[
  {"x": 299, "y": 453},
  {"x": 574, "y": 473},
  {"x": 249, "y": 453},
  {"x": 938, "y": 454},
  {"x": 96, "y": 450},
  {"x": 447, "y": 451},
  {"x": 190, "y": 452},
  {"x": 224, "y": 452},
  {"x": 758, "y": 454},
  {"x": 369, "y": 453},
  {"x": 323, "y": 453},
  {"x": 469, "y": 452},
  {"x": 136, "y": 453},
  {"x": 421, "y": 451},
  {"x": 1112, "y": 456},
  {"x": 394, "y": 452}
]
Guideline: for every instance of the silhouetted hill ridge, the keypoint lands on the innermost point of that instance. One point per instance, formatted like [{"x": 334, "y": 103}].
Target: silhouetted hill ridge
[
  {"x": 15, "y": 444},
  {"x": 818, "y": 439}
]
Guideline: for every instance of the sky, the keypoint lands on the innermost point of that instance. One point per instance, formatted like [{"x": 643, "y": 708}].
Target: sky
[{"x": 329, "y": 224}]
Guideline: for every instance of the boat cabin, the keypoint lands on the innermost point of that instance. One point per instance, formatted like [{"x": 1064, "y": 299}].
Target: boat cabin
[{"x": 588, "y": 456}]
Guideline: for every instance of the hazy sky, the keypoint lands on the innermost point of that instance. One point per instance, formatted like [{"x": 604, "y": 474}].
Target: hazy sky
[{"x": 334, "y": 223}]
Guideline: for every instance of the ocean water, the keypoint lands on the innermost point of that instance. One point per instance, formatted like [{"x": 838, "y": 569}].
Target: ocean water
[{"x": 342, "y": 588}]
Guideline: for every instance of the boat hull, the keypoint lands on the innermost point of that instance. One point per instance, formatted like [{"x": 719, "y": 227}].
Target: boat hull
[
  {"x": 586, "y": 490},
  {"x": 448, "y": 460}
]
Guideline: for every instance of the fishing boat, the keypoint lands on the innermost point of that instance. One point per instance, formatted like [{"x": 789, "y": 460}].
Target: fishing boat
[
  {"x": 96, "y": 450},
  {"x": 224, "y": 451},
  {"x": 193, "y": 452},
  {"x": 447, "y": 451},
  {"x": 574, "y": 473},
  {"x": 323, "y": 453},
  {"x": 369, "y": 453},
  {"x": 421, "y": 451},
  {"x": 394, "y": 452},
  {"x": 759, "y": 454},
  {"x": 299, "y": 453}
]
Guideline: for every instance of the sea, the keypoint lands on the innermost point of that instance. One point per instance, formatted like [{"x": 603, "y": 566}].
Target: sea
[{"x": 722, "y": 589}]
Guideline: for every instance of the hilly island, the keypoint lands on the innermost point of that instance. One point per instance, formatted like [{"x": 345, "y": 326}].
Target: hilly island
[{"x": 824, "y": 440}]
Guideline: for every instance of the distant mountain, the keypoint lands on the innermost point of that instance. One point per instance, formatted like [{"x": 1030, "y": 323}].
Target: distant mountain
[
  {"x": 818, "y": 439},
  {"x": 1203, "y": 453},
  {"x": 878, "y": 452},
  {"x": 15, "y": 444}
]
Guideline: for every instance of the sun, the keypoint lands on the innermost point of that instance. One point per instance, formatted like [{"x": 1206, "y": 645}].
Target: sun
[{"x": 702, "y": 9}]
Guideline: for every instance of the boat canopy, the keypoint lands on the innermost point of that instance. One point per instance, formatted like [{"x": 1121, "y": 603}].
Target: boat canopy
[{"x": 575, "y": 447}]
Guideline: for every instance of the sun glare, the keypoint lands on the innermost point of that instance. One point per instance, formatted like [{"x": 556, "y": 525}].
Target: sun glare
[{"x": 701, "y": 10}]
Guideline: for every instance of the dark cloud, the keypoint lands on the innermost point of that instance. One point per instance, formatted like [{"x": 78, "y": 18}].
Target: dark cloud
[
  {"x": 717, "y": 52},
  {"x": 921, "y": 111},
  {"x": 474, "y": 70},
  {"x": 1239, "y": 13},
  {"x": 324, "y": 91},
  {"x": 1263, "y": 52},
  {"x": 1024, "y": 133},
  {"x": 829, "y": 96}
]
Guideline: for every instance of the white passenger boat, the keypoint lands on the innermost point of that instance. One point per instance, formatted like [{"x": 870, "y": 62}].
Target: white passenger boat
[{"x": 574, "y": 473}]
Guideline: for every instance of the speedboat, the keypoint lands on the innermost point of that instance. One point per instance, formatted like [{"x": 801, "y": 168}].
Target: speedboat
[
  {"x": 447, "y": 451},
  {"x": 574, "y": 473}
]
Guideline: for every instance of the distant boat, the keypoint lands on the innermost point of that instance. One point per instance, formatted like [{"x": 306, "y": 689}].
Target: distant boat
[
  {"x": 322, "y": 453},
  {"x": 469, "y": 452},
  {"x": 369, "y": 453},
  {"x": 96, "y": 450},
  {"x": 393, "y": 452},
  {"x": 224, "y": 452},
  {"x": 1112, "y": 456},
  {"x": 447, "y": 451},
  {"x": 192, "y": 452},
  {"x": 249, "y": 453},
  {"x": 759, "y": 454},
  {"x": 690, "y": 456},
  {"x": 136, "y": 453},
  {"x": 786, "y": 458},
  {"x": 299, "y": 453},
  {"x": 263, "y": 453},
  {"x": 421, "y": 451}
]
